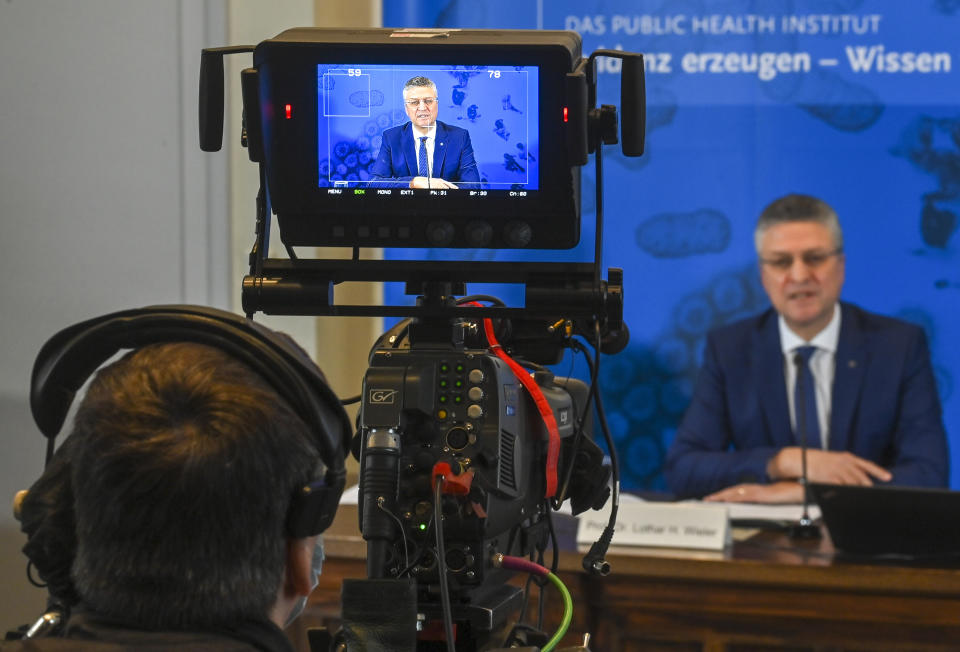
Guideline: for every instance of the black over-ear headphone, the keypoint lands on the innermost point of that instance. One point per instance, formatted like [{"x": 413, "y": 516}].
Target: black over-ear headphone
[{"x": 71, "y": 356}]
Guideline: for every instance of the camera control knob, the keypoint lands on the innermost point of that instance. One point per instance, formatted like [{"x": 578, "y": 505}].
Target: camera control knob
[
  {"x": 518, "y": 234},
  {"x": 475, "y": 376},
  {"x": 474, "y": 411},
  {"x": 475, "y": 394},
  {"x": 479, "y": 234},
  {"x": 440, "y": 233}
]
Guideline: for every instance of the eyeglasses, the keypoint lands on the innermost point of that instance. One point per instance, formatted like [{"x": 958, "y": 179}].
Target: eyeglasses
[
  {"x": 811, "y": 259},
  {"x": 427, "y": 101}
]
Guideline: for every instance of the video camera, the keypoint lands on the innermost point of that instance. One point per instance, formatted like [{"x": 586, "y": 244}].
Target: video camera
[{"x": 463, "y": 454}]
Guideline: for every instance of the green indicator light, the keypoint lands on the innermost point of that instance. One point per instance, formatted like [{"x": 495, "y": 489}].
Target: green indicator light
[
  {"x": 457, "y": 399},
  {"x": 459, "y": 383},
  {"x": 443, "y": 399},
  {"x": 443, "y": 383},
  {"x": 423, "y": 526},
  {"x": 444, "y": 368},
  {"x": 459, "y": 368}
]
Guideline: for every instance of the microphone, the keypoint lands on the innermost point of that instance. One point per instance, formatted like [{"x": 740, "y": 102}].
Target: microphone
[{"x": 804, "y": 528}]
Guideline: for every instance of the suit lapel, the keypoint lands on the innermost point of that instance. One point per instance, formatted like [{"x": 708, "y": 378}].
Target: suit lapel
[
  {"x": 770, "y": 381},
  {"x": 409, "y": 149},
  {"x": 439, "y": 150},
  {"x": 851, "y": 362}
]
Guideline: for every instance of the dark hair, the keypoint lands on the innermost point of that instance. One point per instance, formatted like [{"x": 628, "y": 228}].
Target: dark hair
[
  {"x": 183, "y": 463},
  {"x": 799, "y": 208}
]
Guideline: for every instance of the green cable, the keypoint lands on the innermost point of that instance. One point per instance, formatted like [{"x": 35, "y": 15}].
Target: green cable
[{"x": 567, "y": 613}]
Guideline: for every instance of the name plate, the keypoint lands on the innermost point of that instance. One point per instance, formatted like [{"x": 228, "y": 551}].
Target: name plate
[{"x": 663, "y": 525}]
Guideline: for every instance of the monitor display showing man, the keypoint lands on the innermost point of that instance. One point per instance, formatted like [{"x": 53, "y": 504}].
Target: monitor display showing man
[
  {"x": 425, "y": 152},
  {"x": 428, "y": 127},
  {"x": 858, "y": 387}
]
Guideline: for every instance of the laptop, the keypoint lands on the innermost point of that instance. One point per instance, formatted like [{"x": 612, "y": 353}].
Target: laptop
[{"x": 890, "y": 521}]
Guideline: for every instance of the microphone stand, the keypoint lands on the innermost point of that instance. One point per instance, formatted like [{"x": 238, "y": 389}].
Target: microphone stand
[{"x": 805, "y": 527}]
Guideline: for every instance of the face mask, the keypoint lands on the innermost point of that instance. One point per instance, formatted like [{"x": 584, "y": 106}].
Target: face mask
[{"x": 316, "y": 563}]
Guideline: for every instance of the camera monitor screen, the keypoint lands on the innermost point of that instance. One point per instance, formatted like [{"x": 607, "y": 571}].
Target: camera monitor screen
[
  {"x": 394, "y": 128},
  {"x": 454, "y": 143}
]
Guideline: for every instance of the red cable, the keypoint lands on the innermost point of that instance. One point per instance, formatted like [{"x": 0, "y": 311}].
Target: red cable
[{"x": 553, "y": 433}]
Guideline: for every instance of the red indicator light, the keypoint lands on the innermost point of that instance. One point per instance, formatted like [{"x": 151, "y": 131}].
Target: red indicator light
[
  {"x": 289, "y": 110},
  {"x": 565, "y": 114}
]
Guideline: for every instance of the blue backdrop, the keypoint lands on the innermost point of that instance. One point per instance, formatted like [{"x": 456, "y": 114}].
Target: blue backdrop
[{"x": 857, "y": 102}]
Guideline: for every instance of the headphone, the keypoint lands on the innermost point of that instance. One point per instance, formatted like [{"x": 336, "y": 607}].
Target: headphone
[{"x": 71, "y": 356}]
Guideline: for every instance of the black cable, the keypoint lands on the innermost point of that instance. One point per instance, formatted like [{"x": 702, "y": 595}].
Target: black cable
[
  {"x": 555, "y": 562},
  {"x": 594, "y": 561},
  {"x": 419, "y": 551},
  {"x": 351, "y": 400},
  {"x": 442, "y": 567},
  {"x": 40, "y": 584},
  {"x": 577, "y": 347},
  {"x": 481, "y": 297},
  {"x": 406, "y": 550}
]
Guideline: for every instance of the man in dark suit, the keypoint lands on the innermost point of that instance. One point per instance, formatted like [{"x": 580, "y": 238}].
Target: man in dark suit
[
  {"x": 424, "y": 153},
  {"x": 860, "y": 385}
]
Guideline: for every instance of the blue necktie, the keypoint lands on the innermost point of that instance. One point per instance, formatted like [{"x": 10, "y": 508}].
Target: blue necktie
[
  {"x": 423, "y": 170},
  {"x": 805, "y": 400}
]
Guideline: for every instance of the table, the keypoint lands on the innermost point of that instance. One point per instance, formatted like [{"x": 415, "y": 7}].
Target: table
[{"x": 766, "y": 592}]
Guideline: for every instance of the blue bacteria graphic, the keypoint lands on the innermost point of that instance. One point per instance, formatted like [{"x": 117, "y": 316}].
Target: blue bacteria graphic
[
  {"x": 640, "y": 403},
  {"x": 675, "y": 395},
  {"x": 383, "y": 121},
  {"x": 508, "y": 105},
  {"x": 948, "y": 7},
  {"x": 371, "y": 128},
  {"x": 365, "y": 99},
  {"x": 677, "y": 235},
  {"x": 933, "y": 145},
  {"x": 500, "y": 129},
  {"x": 694, "y": 315},
  {"x": 672, "y": 355},
  {"x": 510, "y": 162},
  {"x": 473, "y": 112},
  {"x": 937, "y": 225},
  {"x": 341, "y": 149},
  {"x": 728, "y": 294},
  {"x": 842, "y": 104}
]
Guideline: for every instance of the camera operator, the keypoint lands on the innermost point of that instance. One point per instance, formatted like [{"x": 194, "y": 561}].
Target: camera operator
[{"x": 181, "y": 465}]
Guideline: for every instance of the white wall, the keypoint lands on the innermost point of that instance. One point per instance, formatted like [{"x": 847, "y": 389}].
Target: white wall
[{"x": 106, "y": 201}]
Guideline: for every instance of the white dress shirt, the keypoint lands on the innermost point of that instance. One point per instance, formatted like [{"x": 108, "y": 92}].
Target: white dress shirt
[
  {"x": 431, "y": 134},
  {"x": 822, "y": 366}
]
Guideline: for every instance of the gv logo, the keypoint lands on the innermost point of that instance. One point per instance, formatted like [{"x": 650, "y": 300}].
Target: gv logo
[{"x": 383, "y": 396}]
